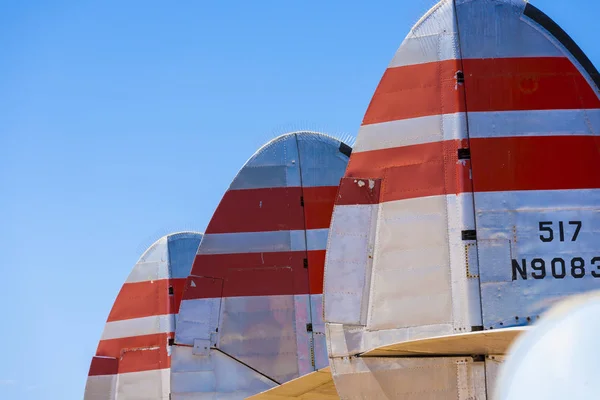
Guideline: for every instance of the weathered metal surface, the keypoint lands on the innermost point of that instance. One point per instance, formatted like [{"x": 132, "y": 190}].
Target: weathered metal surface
[
  {"x": 255, "y": 289},
  {"x": 133, "y": 357},
  {"x": 533, "y": 155},
  {"x": 433, "y": 378},
  {"x": 213, "y": 376},
  {"x": 480, "y": 145}
]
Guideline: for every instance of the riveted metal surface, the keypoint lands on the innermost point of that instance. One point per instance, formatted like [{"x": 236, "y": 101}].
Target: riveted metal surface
[
  {"x": 547, "y": 101},
  {"x": 434, "y": 378},
  {"x": 266, "y": 244},
  {"x": 133, "y": 356},
  {"x": 524, "y": 275},
  {"x": 261, "y": 332},
  {"x": 214, "y": 376},
  {"x": 493, "y": 364},
  {"x": 319, "y": 342},
  {"x": 480, "y": 78}
]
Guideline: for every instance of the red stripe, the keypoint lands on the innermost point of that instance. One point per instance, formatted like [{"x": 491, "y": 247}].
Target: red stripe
[
  {"x": 414, "y": 91},
  {"x": 104, "y": 366},
  {"x": 273, "y": 209},
  {"x": 359, "y": 191},
  {"x": 148, "y": 298},
  {"x": 540, "y": 83},
  {"x": 492, "y": 84},
  {"x": 536, "y": 163},
  {"x": 134, "y": 354},
  {"x": 255, "y": 274},
  {"x": 412, "y": 171},
  {"x": 318, "y": 206},
  {"x": 316, "y": 269},
  {"x": 499, "y": 164}
]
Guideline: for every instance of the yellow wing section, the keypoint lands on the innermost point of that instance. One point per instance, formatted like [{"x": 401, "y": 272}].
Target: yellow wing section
[
  {"x": 495, "y": 341},
  {"x": 317, "y": 385}
]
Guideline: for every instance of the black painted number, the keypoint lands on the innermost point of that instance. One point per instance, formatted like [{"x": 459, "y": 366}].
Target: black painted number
[
  {"x": 547, "y": 230},
  {"x": 558, "y": 268}
]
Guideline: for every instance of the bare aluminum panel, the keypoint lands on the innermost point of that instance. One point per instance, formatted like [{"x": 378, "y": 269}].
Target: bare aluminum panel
[
  {"x": 318, "y": 334},
  {"x": 214, "y": 376},
  {"x": 275, "y": 164},
  {"x": 348, "y": 264},
  {"x": 101, "y": 387},
  {"x": 322, "y": 162},
  {"x": 434, "y": 378},
  {"x": 493, "y": 363},
  {"x": 182, "y": 250},
  {"x": 261, "y": 332}
]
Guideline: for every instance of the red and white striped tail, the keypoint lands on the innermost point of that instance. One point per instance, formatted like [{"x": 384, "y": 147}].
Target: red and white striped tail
[
  {"x": 251, "y": 315},
  {"x": 133, "y": 357},
  {"x": 471, "y": 198}
]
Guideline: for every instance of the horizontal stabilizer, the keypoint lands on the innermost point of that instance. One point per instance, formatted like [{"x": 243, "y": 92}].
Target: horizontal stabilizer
[
  {"x": 316, "y": 385},
  {"x": 496, "y": 341}
]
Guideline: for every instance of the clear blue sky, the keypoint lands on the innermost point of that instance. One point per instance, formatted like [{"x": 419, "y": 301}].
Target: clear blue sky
[{"x": 121, "y": 121}]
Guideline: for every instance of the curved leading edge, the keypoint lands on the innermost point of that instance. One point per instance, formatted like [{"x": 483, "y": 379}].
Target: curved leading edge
[
  {"x": 251, "y": 315},
  {"x": 133, "y": 357},
  {"x": 470, "y": 198}
]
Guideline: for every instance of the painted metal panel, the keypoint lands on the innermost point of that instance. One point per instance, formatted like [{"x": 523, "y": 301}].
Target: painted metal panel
[
  {"x": 139, "y": 328},
  {"x": 266, "y": 243},
  {"x": 432, "y": 38},
  {"x": 524, "y": 270},
  {"x": 153, "y": 264}
]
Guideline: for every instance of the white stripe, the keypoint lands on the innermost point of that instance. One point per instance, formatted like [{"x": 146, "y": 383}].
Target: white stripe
[
  {"x": 139, "y": 326},
  {"x": 435, "y": 128},
  {"x": 425, "y": 43},
  {"x": 144, "y": 385},
  {"x": 534, "y": 123},
  {"x": 153, "y": 264},
  {"x": 148, "y": 271},
  {"x": 317, "y": 239},
  {"x": 413, "y": 131},
  {"x": 141, "y": 385},
  {"x": 100, "y": 387},
  {"x": 263, "y": 242}
]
